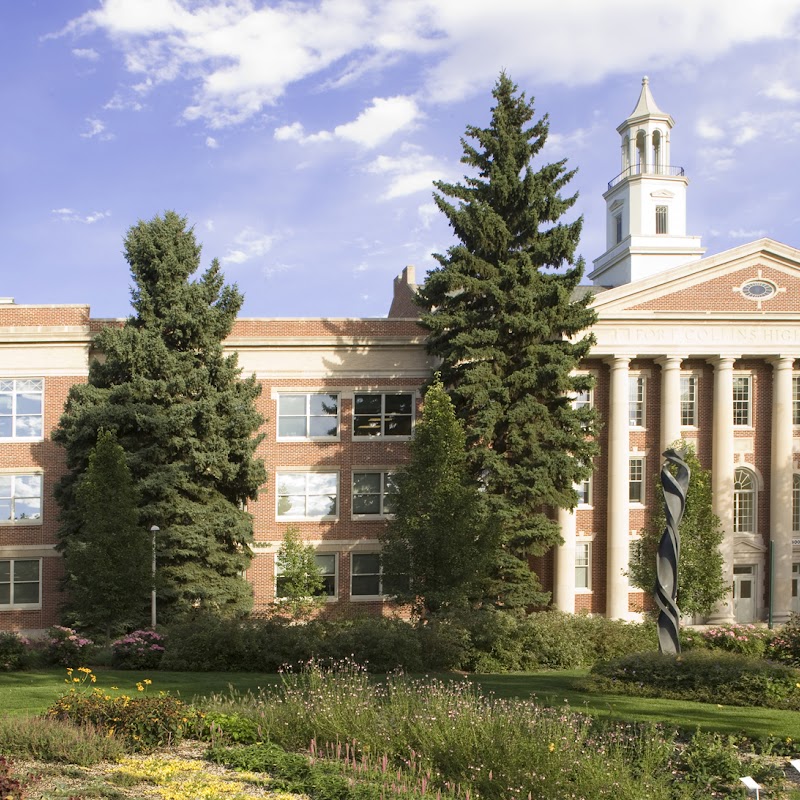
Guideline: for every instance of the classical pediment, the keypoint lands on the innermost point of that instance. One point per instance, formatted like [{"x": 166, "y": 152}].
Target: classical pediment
[{"x": 758, "y": 279}]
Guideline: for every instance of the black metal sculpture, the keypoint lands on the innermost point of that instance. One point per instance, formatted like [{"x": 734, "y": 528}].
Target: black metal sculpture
[{"x": 669, "y": 548}]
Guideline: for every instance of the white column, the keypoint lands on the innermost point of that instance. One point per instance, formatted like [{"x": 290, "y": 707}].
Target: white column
[
  {"x": 722, "y": 458},
  {"x": 780, "y": 494},
  {"x": 564, "y": 584},
  {"x": 670, "y": 399},
  {"x": 618, "y": 525}
]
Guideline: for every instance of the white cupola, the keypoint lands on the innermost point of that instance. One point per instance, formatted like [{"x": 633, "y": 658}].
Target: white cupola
[{"x": 645, "y": 203}]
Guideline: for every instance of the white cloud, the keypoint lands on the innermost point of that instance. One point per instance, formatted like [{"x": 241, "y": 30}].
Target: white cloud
[
  {"x": 88, "y": 53},
  {"x": 240, "y": 57},
  {"x": 247, "y": 245},
  {"x": 740, "y": 233},
  {"x": 271, "y": 270},
  {"x": 97, "y": 128},
  {"x": 706, "y": 129},
  {"x": 427, "y": 213},
  {"x": 779, "y": 90},
  {"x": 211, "y": 143},
  {"x": 71, "y": 215},
  {"x": 385, "y": 117},
  {"x": 410, "y": 172},
  {"x": 119, "y": 103},
  {"x": 716, "y": 159}
]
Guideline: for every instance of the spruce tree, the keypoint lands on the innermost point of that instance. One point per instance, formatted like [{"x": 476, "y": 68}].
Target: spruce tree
[
  {"x": 436, "y": 548},
  {"x": 701, "y": 584},
  {"x": 502, "y": 316},
  {"x": 184, "y": 417},
  {"x": 109, "y": 559}
]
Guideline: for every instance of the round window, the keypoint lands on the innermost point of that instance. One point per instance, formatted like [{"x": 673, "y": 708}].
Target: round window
[{"x": 759, "y": 289}]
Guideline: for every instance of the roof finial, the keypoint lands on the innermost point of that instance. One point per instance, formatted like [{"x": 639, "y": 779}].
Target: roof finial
[{"x": 645, "y": 80}]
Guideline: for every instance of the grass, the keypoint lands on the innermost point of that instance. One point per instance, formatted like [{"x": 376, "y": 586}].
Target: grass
[{"x": 23, "y": 693}]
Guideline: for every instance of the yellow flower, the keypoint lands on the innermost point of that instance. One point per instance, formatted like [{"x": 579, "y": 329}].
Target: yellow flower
[
  {"x": 139, "y": 687},
  {"x": 147, "y": 682},
  {"x": 551, "y": 747}
]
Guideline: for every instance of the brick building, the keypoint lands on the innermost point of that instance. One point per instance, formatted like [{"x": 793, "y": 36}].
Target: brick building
[{"x": 705, "y": 349}]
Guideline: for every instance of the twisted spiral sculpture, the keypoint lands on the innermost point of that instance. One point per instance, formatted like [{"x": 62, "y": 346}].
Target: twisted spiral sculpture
[{"x": 669, "y": 548}]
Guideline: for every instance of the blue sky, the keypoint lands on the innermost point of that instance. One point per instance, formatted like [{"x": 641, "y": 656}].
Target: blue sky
[{"x": 301, "y": 139}]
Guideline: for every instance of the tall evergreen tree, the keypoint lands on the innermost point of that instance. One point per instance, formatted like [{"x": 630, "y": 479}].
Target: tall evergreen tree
[
  {"x": 436, "y": 549},
  {"x": 184, "y": 417},
  {"x": 701, "y": 584},
  {"x": 109, "y": 559},
  {"x": 502, "y": 317}
]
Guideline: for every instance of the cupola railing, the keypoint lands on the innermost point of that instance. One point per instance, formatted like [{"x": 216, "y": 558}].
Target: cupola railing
[{"x": 647, "y": 169}]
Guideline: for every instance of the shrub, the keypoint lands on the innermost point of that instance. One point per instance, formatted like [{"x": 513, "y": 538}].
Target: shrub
[
  {"x": 138, "y": 650},
  {"x": 14, "y": 653},
  {"x": 379, "y": 644},
  {"x": 142, "y": 722},
  {"x": 701, "y": 675},
  {"x": 12, "y": 788},
  {"x": 208, "y": 643},
  {"x": 52, "y": 740},
  {"x": 749, "y": 640},
  {"x": 229, "y": 728},
  {"x": 65, "y": 646},
  {"x": 785, "y": 645}
]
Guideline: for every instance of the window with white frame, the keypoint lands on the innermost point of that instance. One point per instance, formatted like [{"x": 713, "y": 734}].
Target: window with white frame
[
  {"x": 796, "y": 503},
  {"x": 745, "y": 494},
  {"x": 374, "y": 493},
  {"x": 584, "y": 399},
  {"x": 662, "y": 219},
  {"x": 584, "y": 490},
  {"x": 307, "y": 495},
  {"x": 20, "y": 582},
  {"x": 689, "y": 401},
  {"x": 582, "y": 555},
  {"x": 636, "y": 384},
  {"x": 326, "y": 564},
  {"x": 383, "y": 415},
  {"x": 310, "y": 415},
  {"x": 743, "y": 400},
  {"x": 20, "y": 498},
  {"x": 365, "y": 575},
  {"x": 795, "y": 399},
  {"x": 617, "y": 228},
  {"x": 636, "y": 480},
  {"x": 21, "y": 408}
]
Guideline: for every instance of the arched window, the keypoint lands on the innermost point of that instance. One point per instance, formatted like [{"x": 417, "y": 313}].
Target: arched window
[
  {"x": 796, "y": 503},
  {"x": 657, "y": 152},
  {"x": 641, "y": 153},
  {"x": 745, "y": 491}
]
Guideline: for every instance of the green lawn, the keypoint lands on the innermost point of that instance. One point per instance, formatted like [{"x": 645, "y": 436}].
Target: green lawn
[{"x": 31, "y": 693}]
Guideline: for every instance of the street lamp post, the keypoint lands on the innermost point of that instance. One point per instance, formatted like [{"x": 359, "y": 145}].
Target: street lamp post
[{"x": 153, "y": 530}]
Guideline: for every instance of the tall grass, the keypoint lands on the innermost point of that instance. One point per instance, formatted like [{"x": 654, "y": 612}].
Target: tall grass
[{"x": 499, "y": 748}]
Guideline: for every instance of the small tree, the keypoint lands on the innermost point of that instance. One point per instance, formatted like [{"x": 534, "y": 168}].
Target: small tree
[
  {"x": 700, "y": 581},
  {"x": 299, "y": 582},
  {"x": 108, "y": 560},
  {"x": 436, "y": 549}
]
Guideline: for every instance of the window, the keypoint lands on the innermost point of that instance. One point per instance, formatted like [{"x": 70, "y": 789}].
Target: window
[
  {"x": 582, "y": 550},
  {"x": 365, "y": 575},
  {"x": 744, "y": 501},
  {"x": 795, "y": 399},
  {"x": 661, "y": 219},
  {"x": 618, "y": 228},
  {"x": 20, "y": 498},
  {"x": 636, "y": 401},
  {"x": 688, "y": 401},
  {"x": 636, "y": 480},
  {"x": 21, "y": 408},
  {"x": 326, "y": 564},
  {"x": 308, "y": 416},
  {"x": 20, "y": 584},
  {"x": 584, "y": 490},
  {"x": 383, "y": 415},
  {"x": 796, "y": 587},
  {"x": 796, "y": 503},
  {"x": 307, "y": 495},
  {"x": 742, "y": 399},
  {"x": 374, "y": 494}
]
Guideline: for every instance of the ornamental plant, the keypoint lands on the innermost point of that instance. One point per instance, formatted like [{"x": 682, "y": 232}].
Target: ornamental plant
[
  {"x": 138, "y": 650},
  {"x": 141, "y": 722},
  {"x": 14, "y": 652},
  {"x": 66, "y": 646}
]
